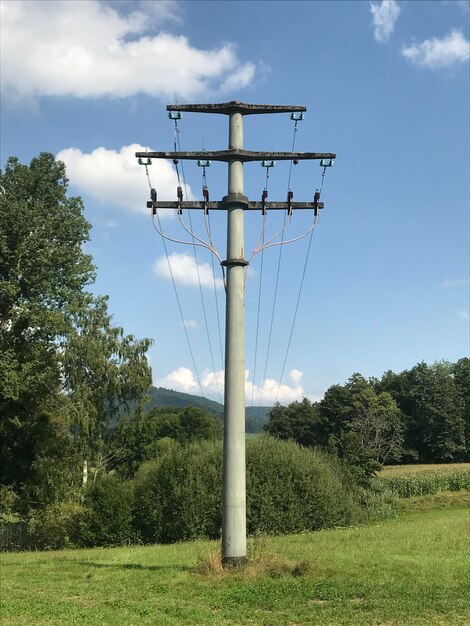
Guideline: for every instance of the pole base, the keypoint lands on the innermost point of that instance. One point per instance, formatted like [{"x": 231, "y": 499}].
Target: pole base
[{"x": 233, "y": 562}]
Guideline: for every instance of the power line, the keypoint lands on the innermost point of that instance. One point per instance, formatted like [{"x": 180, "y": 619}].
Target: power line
[
  {"x": 278, "y": 268},
  {"x": 319, "y": 190},
  {"x": 176, "y": 294},
  {"x": 177, "y": 141}
]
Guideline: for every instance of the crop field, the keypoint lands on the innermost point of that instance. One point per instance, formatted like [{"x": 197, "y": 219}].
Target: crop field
[
  {"x": 392, "y": 471},
  {"x": 419, "y": 480},
  {"x": 409, "y": 571}
]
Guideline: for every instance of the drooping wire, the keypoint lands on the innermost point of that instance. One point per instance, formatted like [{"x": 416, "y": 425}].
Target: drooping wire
[
  {"x": 176, "y": 295},
  {"x": 259, "y": 294},
  {"x": 279, "y": 260},
  {"x": 216, "y": 300},
  {"x": 300, "y": 293},
  {"x": 177, "y": 142}
]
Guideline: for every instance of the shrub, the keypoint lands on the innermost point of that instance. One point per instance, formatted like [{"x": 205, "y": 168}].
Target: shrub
[
  {"x": 110, "y": 504},
  {"x": 57, "y": 526},
  {"x": 289, "y": 489},
  {"x": 178, "y": 496}
]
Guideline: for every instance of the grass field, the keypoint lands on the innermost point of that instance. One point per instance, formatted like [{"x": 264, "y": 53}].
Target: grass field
[{"x": 410, "y": 571}]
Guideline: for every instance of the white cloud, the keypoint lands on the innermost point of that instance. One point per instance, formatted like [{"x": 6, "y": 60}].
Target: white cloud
[
  {"x": 183, "y": 379},
  {"x": 111, "y": 224},
  {"x": 384, "y": 16},
  {"x": 88, "y": 49},
  {"x": 435, "y": 53},
  {"x": 464, "y": 314},
  {"x": 185, "y": 270},
  {"x": 455, "y": 282},
  {"x": 115, "y": 178},
  {"x": 192, "y": 324}
]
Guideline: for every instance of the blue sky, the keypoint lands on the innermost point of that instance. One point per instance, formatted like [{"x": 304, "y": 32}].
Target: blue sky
[{"x": 386, "y": 85}]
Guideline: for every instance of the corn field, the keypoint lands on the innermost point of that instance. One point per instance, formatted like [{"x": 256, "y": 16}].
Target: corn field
[{"x": 428, "y": 479}]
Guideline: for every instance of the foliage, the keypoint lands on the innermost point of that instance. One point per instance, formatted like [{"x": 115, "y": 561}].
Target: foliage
[
  {"x": 434, "y": 400},
  {"x": 178, "y": 496},
  {"x": 65, "y": 369},
  {"x": 297, "y": 421},
  {"x": 289, "y": 489},
  {"x": 110, "y": 504},
  {"x": 57, "y": 526},
  {"x": 136, "y": 439}
]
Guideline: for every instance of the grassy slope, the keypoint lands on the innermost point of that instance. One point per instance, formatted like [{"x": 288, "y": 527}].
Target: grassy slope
[{"x": 409, "y": 571}]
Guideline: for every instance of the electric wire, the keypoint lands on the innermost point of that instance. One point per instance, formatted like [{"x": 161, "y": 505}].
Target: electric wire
[
  {"x": 176, "y": 293},
  {"x": 216, "y": 300},
  {"x": 279, "y": 260},
  {"x": 259, "y": 299},
  {"x": 177, "y": 141},
  {"x": 300, "y": 293}
]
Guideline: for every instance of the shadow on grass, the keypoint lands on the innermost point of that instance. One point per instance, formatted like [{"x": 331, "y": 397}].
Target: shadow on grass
[{"x": 131, "y": 566}]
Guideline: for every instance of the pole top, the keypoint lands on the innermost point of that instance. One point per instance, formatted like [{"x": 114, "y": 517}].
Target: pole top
[{"x": 227, "y": 108}]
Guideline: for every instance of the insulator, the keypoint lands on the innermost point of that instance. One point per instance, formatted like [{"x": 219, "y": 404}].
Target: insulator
[{"x": 153, "y": 195}]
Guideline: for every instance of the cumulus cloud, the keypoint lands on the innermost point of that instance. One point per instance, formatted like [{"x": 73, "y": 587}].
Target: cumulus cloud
[
  {"x": 449, "y": 283},
  {"x": 89, "y": 50},
  {"x": 439, "y": 53},
  {"x": 212, "y": 383},
  {"x": 181, "y": 379},
  {"x": 384, "y": 16},
  {"x": 185, "y": 271},
  {"x": 115, "y": 178}
]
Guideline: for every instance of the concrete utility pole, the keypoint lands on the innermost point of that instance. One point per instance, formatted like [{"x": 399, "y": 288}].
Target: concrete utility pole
[{"x": 235, "y": 203}]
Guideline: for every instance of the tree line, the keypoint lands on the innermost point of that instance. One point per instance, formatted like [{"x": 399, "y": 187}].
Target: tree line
[{"x": 420, "y": 415}]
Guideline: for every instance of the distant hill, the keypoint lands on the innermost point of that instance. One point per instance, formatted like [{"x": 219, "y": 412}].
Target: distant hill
[{"x": 160, "y": 397}]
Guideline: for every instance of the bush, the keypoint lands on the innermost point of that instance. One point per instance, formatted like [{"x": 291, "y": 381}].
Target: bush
[
  {"x": 110, "y": 503},
  {"x": 178, "y": 496},
  {"x": 57, "y": 526},
  {"x": 289, "y": 489}
]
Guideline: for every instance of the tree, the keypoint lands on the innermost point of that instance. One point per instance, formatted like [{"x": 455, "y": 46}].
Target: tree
[
  {"x": 57, "y": 343},
  {"x": 297, "y": 421},
  {"x": 378, "y": 421}
]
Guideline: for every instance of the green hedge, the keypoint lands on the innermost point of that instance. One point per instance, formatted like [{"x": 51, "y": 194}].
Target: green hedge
[{"x": 289, "y": 489}]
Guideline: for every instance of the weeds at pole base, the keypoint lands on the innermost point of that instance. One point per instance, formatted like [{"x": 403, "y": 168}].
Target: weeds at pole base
[{"x": 260, "y": 562}]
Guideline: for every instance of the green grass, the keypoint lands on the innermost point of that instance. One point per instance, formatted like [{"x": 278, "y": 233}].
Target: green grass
[{"x": 410, "y": 571}]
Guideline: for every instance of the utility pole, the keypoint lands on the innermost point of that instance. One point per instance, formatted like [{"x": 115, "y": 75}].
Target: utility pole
[{"x": 235, "y": 203}]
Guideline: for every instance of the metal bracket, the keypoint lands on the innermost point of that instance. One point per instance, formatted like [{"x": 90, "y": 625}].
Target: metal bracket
[
  {"x": 141, "y": 162},
  {"x": 297, "y": 117},
  {"x": 268, "y": 164},
  {"x": 204, "y": 163},
  {"x": 175, "y": 115},
  {"x": 326, "y": 162}
]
